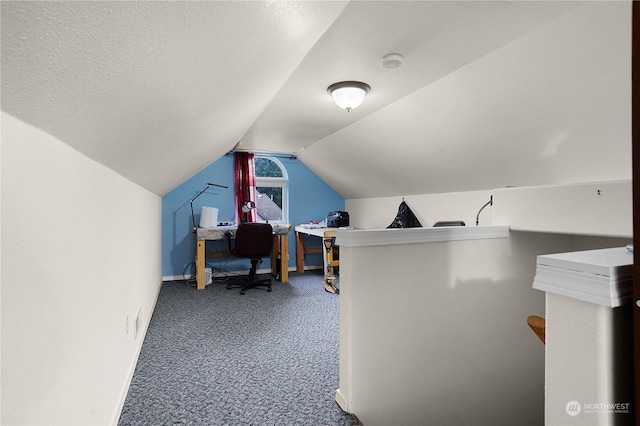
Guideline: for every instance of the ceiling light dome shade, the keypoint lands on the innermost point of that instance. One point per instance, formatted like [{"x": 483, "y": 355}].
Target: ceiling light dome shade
[{"x": 348, "y": 94}]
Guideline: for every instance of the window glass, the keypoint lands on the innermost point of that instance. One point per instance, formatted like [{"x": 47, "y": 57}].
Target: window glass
[
  {"x": 266, "y": 167},
  {"x": 271, "y": 188}
]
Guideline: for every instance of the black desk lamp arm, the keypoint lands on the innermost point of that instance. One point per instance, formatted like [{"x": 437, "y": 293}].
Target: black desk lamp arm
[{"x": 193, "y": 217}]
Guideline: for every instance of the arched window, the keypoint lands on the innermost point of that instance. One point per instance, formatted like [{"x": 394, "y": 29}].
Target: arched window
[{"x": 271, "y": 187}]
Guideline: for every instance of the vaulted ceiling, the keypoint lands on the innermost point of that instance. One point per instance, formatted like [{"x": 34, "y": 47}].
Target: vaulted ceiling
[{"x": 490, "y": 93}]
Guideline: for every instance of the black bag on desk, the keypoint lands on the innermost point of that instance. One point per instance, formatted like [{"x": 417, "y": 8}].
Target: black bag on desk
[
  {"x": 405, "y": 218},
  {"x": 337, "y": 219}
]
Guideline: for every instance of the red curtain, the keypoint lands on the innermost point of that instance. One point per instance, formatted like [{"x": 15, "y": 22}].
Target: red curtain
[{"x": 245, "y": 180}]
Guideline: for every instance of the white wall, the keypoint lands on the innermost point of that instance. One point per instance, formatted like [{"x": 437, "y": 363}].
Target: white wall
[
  {"x": 436, "y": 333},
  {"x": 593, "y": 209},
  {"x": 80, "y": 256},
  {"x": 448, "y": 333},
  {"x": 601, "y": 374},
  {"x": 597, "y": 208},
  {"x": 373, "y": 213}
]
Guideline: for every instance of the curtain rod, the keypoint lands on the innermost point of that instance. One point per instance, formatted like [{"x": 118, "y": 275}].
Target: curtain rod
[{"x": 266, "y": 153}]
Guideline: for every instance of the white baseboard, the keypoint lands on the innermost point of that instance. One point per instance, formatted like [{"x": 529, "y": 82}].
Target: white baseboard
[
  {"x": 132, "y": 368},
  {"x": 342, "y": 402},
  {"x": 175, "y": 277}
]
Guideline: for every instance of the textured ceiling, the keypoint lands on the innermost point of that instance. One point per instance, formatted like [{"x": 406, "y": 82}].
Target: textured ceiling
[
  {"x": 159, "y": 90},
  {"x": 154, "y": 90}
]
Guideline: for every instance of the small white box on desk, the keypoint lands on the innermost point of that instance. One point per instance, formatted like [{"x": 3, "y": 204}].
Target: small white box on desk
[{"x": 208, "y": 217}]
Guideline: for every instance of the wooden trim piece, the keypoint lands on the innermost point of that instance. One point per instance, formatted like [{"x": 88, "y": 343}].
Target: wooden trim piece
[{"x": 539, "y": 327}]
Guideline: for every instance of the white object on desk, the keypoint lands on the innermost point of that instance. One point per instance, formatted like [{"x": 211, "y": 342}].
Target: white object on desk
[{"x": 208, "y": 217}]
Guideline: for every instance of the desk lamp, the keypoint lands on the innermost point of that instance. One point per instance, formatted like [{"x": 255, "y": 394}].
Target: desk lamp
[
  {"x": 246, "y": 208},
  {"x": 193, "y": 218},
  {"x": 488, "y": 203}
]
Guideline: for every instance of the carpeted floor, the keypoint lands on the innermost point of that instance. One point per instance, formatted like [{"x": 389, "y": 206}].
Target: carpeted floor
[{"x": 215, "y": 357}]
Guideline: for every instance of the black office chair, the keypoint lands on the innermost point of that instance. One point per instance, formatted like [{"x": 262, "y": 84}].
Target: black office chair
[{"x": 253, "y": 241}]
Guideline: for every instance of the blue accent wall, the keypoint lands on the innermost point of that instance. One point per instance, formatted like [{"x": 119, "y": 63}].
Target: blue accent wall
[{"x": 310, "y": 199}]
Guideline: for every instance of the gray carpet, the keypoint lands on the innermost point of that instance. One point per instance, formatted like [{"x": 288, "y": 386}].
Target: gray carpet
[{"x": 215, "y": 357}]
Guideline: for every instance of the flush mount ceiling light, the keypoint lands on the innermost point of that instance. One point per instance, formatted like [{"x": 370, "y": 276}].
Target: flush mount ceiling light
[{"x": 348, "y": 94}]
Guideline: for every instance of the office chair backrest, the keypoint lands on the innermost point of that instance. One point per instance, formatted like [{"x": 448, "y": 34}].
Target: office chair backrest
[{"x": 254, "y": 239}]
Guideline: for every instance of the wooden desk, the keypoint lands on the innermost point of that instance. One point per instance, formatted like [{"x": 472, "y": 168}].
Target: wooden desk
[
  {"x": 280, "y": 247},
  {"x": 328, "y": 262}
]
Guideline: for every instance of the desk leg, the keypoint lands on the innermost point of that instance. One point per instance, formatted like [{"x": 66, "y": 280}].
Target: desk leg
[
  {"x": 280, "y": 246},
  {"x": 299, "y": 252},
  {"x": 327, "y": 260},
  {"x": 284, "y": 258},
  {"x": 200, "y": 265},
  {"x": 275, "y": 249}
]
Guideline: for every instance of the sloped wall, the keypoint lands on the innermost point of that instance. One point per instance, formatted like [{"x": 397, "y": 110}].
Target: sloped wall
[
  {"x": 80, "y": 261},
  {"x": 553, "y": 107}
]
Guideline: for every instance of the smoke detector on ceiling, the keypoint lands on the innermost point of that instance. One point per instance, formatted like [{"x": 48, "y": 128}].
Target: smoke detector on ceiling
[{"x": 392, "y": 60}]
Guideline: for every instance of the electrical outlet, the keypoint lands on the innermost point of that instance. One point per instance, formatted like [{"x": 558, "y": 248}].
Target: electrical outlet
[{"x": 137, "y": 323}]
